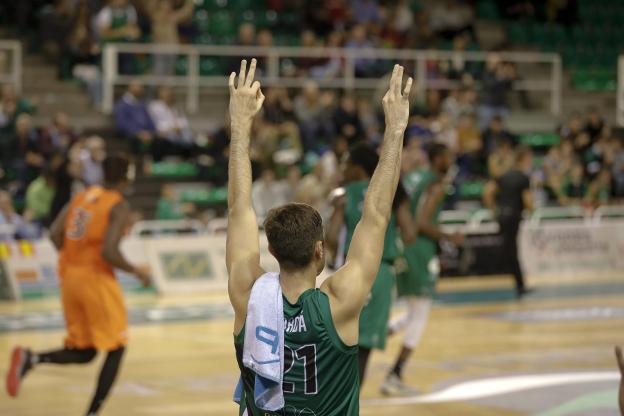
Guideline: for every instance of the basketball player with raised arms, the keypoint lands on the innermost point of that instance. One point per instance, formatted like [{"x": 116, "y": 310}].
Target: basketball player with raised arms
[
  {"x": 87, "y": 233},
  {"x": 319, "y": 364}
]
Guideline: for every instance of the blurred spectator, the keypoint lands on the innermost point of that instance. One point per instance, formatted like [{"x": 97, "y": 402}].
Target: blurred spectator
[
  {"x": 347, "y": 121},
  {"x": 402, "y": 17},
  {"x": 264, "y": 39},
  {"x": 117, "y": 22},
  {"x": 267, "y": 192},
  {"x": 369, "y": 120},
  {"x": 421, "y": 35},
  {"x": 365, "y": 11},
  {"x": 312, "y": 189},
  {"x": 172, "y": 127},
  {"x": 496, "y": 82},
  {"x": 496, "y": 133},
  {"x": 557, "y": 166},
  {"x": 617, "y": 168},
  {"x": 81, "y": 45},
  {"x": 445, "y": 132},
  {"x": 58, "y": 137},
  {"x": 56, "y": 25},
  {"x": 330, "y": 162},
  {"x": 164, "y": 22},
  {"x": 599, "y": 190},
  {"x": 470, "y": 146},
  {"x": 457, "y": 67},
  {"x": 11, "y": 107},
  {"x": 574, "y": 186},
  {"x": 594, "y": 125},
  {"x": 572, "y": 128},
  {"x": 217, "y": 148},
  {"x": 278, "y": 129},
  {"x": 564, "y": 12},
  {"x": 82, "y": 53},
  {"x": 365, "y": 67},
  {"x": 66, "y": 172},
  {"x": 451, "y": 17},
  {"x": 91, "y": 158},
  {"x": 22, "y": 229},
  {"x": 309, "y": 40},
  {"x": 168, "y": 206},
  {"x": 458, "y": 102},
  {"x": 25, "y": 151},
  {"x": 312, "y": 110},
  {"x": 39, "y": 196},
  {"x": 330, "y": 68},
  {"x": 246, "y": 37},
  {"x": 501, "y": 159},
  {"x": 132, "y": 118}
]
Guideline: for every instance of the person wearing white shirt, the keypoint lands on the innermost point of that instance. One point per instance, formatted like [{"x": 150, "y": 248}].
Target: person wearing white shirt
[{"x": 172, "y": 126}]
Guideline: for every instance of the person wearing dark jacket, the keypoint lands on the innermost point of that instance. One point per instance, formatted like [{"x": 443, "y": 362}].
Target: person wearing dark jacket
[{"x": 508, "y": 196}]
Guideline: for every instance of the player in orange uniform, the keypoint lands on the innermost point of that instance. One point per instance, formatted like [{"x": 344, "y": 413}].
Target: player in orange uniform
[{"x": 87, "y": 233}]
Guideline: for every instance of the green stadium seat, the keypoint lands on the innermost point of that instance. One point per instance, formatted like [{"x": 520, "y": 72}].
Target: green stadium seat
[
  {"x": 215, "y": 196},
  {"x": 210, "y": 66},
  {"x": 221, "y": 24},
  {"x": 181, "y": 65},
  {"x": 487, "y": 9},
  {"x": 201, "y": 21},
  {"x": 471, "y": 189},
  {"x": 246, "y": 16},
  {"x": 540, "y": 139},
  {"x": 267, "y": 20},
  {"x": 518, "y": 33},
  {"x": 174, "y": 170}
]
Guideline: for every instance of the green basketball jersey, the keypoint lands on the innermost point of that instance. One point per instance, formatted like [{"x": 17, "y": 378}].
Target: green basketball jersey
[
  {"x": 120, "y": 17},
  {"x": 320, "y": 372},
  {"x": 355, "y": 193},
  {"x": 421, "y": 276}
]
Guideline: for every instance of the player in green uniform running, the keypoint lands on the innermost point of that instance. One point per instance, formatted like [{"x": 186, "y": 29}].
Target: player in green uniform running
[
  {"x": 358, "y": 169},
  {"x": 320, "y": 373},
  {"x": 427, "y": 190}
]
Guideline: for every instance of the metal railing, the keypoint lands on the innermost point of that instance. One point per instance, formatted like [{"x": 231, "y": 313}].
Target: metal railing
[
  {"x": 347, "y": 79},
  {"x": 13, "y": 75}
]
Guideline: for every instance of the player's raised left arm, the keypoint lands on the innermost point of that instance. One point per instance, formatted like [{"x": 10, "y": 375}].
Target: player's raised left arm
[
  {"x": 349, "y": 287},
  {"x": 243, "y": 248}
]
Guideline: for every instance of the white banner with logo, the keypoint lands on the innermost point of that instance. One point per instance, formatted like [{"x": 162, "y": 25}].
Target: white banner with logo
[{"x": 566, "y": 248}]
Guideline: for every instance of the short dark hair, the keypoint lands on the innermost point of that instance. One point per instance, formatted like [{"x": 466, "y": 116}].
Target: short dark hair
[
  {"x": 434, "y": 150},
  {"x": 364, "y": 156},
  {"x": 293, "y": 230},
  {"x": 115, "y": 168}
]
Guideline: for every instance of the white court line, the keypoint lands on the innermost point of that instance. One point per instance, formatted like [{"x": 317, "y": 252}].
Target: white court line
[{"x": 477, "y": 389}]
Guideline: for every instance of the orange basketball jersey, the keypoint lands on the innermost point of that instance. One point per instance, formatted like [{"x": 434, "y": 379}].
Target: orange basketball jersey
[{"x": 86, "y": 225}]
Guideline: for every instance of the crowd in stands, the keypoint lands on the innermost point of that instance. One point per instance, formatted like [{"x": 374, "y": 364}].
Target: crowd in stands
[
  {"x": 301, "y": 135},
  {"x": 41, "y": 166}
]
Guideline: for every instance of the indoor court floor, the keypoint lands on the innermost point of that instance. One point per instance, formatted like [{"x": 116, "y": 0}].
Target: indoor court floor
[{"x": 483, "y": 353}]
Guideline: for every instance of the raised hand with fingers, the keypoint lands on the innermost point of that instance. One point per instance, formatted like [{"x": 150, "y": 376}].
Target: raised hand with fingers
[
  {"x": 246, "y": 98},
  {"x": 396, "y": 101}
]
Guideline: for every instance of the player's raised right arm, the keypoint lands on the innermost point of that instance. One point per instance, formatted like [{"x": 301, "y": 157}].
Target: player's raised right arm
[
  {"x": 350, "y": 286},
  {"x": 243, "y": 247}
]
